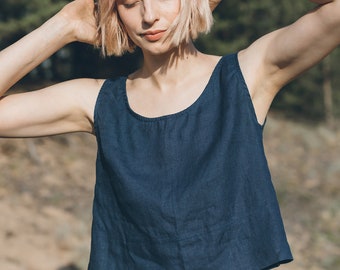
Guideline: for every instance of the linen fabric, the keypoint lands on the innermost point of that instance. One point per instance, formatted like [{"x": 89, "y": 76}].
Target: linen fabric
[{"x": 190, "y": 190}]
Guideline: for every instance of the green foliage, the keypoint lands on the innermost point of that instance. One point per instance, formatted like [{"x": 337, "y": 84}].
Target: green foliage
[
  {"x": 18, "y": 17},
  {"x": 237, "y": 24}
]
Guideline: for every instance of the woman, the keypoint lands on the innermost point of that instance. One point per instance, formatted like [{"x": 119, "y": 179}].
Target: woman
[{"x": 182, "y": 180}]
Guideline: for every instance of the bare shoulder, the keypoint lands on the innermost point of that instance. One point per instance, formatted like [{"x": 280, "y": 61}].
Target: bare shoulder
[
  {"x": 92, "y": 86},
  {"x": 211, "y": 60},
  {"x": 205, "y": 64},
  {"x": 84, "y": 88},
  {"x": 60, "y": 108},
  {"x": 81, "y": 93},
  {"x": 85, "y": 93}
]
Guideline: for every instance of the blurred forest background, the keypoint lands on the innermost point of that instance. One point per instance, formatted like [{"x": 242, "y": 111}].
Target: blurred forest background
[{"x": 302, "y": 141}]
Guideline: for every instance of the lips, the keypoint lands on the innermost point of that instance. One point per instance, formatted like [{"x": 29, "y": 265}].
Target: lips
[{"x": 154, "y": 35}]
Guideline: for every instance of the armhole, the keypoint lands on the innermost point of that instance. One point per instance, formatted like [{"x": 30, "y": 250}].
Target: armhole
[
  {"x": 96, "y": 114},
  {"x": 110, "y": 91},
  {"x": 246, "y": 91}
]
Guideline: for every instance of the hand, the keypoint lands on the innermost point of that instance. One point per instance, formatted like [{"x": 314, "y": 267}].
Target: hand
[
  {"x": 80, "y": 15},
  {"x": 213, "y": 4}
]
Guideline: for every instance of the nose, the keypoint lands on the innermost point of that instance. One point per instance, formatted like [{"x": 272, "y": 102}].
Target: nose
[{"x": 150, "y": 12}]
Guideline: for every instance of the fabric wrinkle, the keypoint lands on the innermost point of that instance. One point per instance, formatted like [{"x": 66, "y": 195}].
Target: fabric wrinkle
[{"x": 190, "y": 190}]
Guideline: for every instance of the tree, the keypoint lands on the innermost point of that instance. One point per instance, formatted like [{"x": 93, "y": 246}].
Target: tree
[{"x": 18, "y": 17}]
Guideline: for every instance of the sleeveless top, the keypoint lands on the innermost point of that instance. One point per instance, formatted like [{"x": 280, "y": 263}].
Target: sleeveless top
[{"x": 190, "y": 190}]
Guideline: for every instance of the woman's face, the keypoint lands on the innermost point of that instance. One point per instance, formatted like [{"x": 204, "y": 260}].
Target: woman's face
[{"x": 146, "y": 22}]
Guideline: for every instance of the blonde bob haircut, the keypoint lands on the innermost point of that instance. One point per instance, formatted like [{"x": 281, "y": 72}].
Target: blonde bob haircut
[{"x": 195, "y": 17}]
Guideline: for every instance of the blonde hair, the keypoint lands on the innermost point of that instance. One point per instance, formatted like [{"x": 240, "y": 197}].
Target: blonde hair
[{"x": 195, "y": 17}]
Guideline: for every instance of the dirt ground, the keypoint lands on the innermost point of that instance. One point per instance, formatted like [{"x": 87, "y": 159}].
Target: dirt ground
[{"x": 46, "y": 192}]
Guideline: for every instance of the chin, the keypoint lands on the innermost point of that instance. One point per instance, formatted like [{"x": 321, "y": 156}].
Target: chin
[{"x": 159, "y": 49}]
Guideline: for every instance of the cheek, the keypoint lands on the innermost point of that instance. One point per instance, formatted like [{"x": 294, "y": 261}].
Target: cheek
[
  {"x": 128, "y": 27},
  {"x": 172, "y": 9},
  {"x": 128, "y": 18}
]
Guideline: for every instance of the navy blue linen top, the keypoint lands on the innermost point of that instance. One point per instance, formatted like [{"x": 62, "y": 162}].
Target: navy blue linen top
[{"x": 190, "y": 190}]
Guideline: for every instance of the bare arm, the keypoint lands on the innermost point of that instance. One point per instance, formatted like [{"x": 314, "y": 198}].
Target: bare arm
[
  {"x": 61, "y": 108},
  {"x": 58, "y": 109},
  {"x": 284, "y": 54}
]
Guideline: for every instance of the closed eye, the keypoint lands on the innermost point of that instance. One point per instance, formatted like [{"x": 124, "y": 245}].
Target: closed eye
[{"x": 131, "y": 5}]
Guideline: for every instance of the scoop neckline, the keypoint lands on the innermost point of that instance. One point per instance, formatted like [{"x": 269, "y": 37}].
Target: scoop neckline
[{"x": 172, "y": 115}]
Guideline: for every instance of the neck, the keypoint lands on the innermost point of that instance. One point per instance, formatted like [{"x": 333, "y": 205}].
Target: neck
[{"x": 165, "y": 69}]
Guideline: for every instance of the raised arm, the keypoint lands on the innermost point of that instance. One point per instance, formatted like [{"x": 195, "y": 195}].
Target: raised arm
[
  {"x": 284, "y": 54},
  {"x": 58, "y": 109}
]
